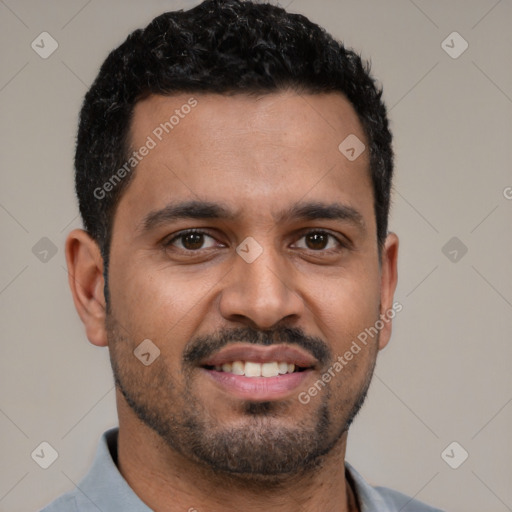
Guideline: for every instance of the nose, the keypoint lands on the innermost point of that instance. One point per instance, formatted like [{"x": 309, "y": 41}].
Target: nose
[{"x": 262, "y": 293}]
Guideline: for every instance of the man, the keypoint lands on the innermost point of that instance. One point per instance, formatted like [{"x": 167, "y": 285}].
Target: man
[{"x": 233, "y": 170}]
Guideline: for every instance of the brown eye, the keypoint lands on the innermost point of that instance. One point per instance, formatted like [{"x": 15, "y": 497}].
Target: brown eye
[
  {"x": 316, "y": 240},
  {"x": 190, "y": 241},
  {"x": 319, "y": 241}
]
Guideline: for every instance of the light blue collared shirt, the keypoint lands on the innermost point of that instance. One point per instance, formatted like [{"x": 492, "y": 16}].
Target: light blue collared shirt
[{"x": 104, "y": 489}]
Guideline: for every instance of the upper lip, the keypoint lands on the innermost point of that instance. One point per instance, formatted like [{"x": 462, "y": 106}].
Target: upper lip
[{"x": 261, "y": 354}]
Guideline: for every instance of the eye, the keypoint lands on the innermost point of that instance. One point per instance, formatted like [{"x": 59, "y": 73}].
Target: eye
[
  {"x": 194, "y": 240},
  {"x": 319, "y": 241},
  {"x": 190, "y": 240}
]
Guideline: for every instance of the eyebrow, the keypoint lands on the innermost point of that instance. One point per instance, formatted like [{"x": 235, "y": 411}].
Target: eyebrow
[{"x": 201, "y": 210}]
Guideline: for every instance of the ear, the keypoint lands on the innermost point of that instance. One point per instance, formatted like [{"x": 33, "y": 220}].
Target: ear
[
  {"x": 85, "y": 276},
  {"x": 389, "y": 278}
]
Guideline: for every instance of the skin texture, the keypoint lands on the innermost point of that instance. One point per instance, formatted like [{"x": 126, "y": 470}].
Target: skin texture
[{"x": 257, "y": 156}]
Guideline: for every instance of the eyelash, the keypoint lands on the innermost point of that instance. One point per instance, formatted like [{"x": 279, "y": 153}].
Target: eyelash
[{"x": 341, "y": 244}]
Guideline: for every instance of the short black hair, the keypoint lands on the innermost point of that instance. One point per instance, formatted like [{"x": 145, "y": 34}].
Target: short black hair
[{"x": 226, "y": 47}]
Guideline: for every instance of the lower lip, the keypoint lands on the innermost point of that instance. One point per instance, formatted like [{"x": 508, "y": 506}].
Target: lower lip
[{"x": 258, "y": 388}]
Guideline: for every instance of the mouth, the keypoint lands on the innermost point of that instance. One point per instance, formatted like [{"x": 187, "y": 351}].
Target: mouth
[{"x": 258, "y": 372}]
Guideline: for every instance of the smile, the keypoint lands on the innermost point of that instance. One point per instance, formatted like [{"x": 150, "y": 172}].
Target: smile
[
  {"x": 256, "y": 372},
  {"x": 254, "y": 369}
]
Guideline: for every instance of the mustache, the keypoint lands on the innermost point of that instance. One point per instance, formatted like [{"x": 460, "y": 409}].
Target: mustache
[{"x": 203, "y": 347}]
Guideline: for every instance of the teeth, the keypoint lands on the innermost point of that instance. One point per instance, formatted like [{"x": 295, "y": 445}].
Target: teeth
[
  {"x": 251, "y": 369},
  {"x": 283, "y": 368},
  {"x": 269, "y": 369},
  {"x": 238, "y": 368}
]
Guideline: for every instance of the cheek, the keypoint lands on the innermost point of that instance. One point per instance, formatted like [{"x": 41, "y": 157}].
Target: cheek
[
  {"x": 346, "y": 306},
  {"x": 160, "y": 303}
]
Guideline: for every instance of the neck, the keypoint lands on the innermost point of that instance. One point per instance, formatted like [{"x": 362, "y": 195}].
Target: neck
[{"x": 167, "y": 482}]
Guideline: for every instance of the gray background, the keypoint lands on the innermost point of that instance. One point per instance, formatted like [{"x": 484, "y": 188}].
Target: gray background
[{"x": 446, "y": 374}]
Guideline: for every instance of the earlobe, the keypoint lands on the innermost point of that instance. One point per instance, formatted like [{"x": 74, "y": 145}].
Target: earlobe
[
  {"x": 85, "y": 277},
  {"x": 389, "y": 279}
]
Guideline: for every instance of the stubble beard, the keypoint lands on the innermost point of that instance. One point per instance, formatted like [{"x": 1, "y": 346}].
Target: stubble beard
[{"x": 262, "y": 447}]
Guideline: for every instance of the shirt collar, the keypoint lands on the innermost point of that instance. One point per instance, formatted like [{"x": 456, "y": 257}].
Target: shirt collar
[
  {"x": 104, "y": 485},
  {"x": 369, "y": 499}
]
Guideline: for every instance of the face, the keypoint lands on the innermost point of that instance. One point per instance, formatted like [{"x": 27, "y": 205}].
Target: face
[{"x": 279, "y": 276}]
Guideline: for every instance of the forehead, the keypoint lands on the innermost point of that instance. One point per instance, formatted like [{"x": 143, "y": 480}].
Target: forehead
[
  {"x": 285, "y": 118},
  {"x": 258, "y": 154}
]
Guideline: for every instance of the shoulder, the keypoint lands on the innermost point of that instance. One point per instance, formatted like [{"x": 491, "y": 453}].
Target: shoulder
[
  {"x": 383, "y": 499},
  {"x": 96, "y": 484},
  {"x": 64, "y": 503},
  {"x": 403, "y": 503}
]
